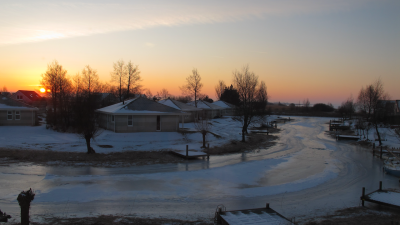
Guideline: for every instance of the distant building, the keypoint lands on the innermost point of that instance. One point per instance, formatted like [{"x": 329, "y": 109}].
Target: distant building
[
  {"x": 29, "y": 97},
  {"x": 229, "y": 109},
  {"x": 16, "y": 113},
  {"x": 139, "y": 115},
  {"x": 192, "y": 112},
  {"x": 211, "y": 110}
]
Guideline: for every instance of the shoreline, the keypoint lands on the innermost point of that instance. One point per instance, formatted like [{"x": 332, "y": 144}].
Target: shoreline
[{"x": 126, "y": 158}]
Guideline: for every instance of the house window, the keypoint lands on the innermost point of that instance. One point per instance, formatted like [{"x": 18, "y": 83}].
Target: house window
[
  {"x": 158, "y": 123},
  {"x": 130, "y": 123},
  {"x": 112, "y": 118},
  {"x": 19, "y": 97},
  {"x": 9, "y": 115},
  {"x": 17, "y": 115}
]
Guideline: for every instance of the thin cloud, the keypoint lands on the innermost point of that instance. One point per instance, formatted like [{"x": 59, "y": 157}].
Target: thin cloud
[
  {"x": 44, "y": 20},
  {"x": 148, "y": 44}
]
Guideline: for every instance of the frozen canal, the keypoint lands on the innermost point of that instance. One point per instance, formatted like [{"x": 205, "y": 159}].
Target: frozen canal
[{"x": 306, "y": 173}]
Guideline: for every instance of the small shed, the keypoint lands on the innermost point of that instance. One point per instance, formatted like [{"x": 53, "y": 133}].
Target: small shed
[
  {"x": 139, "y": 115},
  {"x": 192, "y": 112},
  {"x": 229, "y": 109},
  {"x": 211, "y": 110},
  {"x": 16, "y": 113}
]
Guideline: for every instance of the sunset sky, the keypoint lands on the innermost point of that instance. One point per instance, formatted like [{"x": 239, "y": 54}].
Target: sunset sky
[{"x": 324, "y": 50}]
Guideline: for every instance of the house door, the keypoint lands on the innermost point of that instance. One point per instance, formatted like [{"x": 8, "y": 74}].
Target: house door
[{"x": 158, "y": 123}]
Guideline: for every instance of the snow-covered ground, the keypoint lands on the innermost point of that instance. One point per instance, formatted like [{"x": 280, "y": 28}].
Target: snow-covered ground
[
  {"x": 388, "y": 136},
  {"x": 40, "y": 138},
  {"x": 304, "y": 173}
]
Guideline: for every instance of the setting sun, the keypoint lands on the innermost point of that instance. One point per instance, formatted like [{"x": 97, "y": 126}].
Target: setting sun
[{"x": 42, "y": 90}]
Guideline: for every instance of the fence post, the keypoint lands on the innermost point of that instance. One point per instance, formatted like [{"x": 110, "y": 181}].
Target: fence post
[
  {"x": 362, "y": 196},
  {"x": 381, "y": 153},
  {"x": 380, "y": 185},
  {"x": 187, "y": 151}
]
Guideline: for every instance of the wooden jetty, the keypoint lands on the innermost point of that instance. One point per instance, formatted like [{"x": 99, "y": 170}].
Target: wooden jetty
[
  {"x": 337, "y": 126},
  {"x": 347, "y": 137},
  {"x": 250, "y": 216},
  {"x": 190, "y": 155},
  {"x": 381, "y": 197},
  {"x": 260, "y": 131}
]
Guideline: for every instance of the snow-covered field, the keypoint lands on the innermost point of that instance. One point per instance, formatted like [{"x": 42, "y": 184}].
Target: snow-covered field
[{"x": 40, "y": 138}]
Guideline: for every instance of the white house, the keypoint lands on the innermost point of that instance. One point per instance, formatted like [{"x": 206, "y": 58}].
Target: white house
[{"x": 139, "y": 115}]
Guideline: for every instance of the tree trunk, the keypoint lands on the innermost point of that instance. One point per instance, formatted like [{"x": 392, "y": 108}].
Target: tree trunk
[
  {"x": 204, "y": 140},
  {"x": 25, "y": 214},
  {"x": 89, "y": 149},
  {"x": 379, "y": 136},
  {"x": 243, "y": 135}
]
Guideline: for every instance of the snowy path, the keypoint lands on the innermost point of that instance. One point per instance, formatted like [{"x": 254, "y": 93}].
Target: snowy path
[{"x": 306, "y": 172}]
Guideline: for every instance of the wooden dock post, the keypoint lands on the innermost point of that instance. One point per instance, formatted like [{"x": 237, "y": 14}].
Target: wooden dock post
[
  {"x": 187, "y": 151},
  {"x": 267, "y": 206},
  {"x": 208, "y": 151},
  {"x": 380, "y": 185},
  {"x": 219, "y": 215},
  {"x": 381, "y": 153},
  {"x": 362, "y": 196}
]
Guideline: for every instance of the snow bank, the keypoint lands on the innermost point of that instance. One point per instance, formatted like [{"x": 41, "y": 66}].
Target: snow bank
[{"x": 40, "y": 138}]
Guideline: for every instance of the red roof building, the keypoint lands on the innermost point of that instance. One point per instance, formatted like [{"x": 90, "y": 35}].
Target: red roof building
[{"x": 28, "y": 97}]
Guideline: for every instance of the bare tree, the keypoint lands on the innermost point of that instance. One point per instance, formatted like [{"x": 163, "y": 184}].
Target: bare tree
[
  {"x": 163, "y": 94},
  {"x": 4, "y": 89},
  {"x": 193, "y": 86},
  {"x": 86, "y": 102},
  {"x": 86, "y": 125},
  {"x": 369, "y": 103},
  {"x": 306, "y": 103},
  {"x": 55, "y": 79},
  {"x": 262, "y": 100},
  {"x": 347, "y": 108},
  {"x": 246, "y": 84},
  {"x": 219, "y": 89},
  {"x": 132, "y": 79},
  {"x": 90, "y": 79},
  {"x": 202, "y": 124},
  {"x": 119, "y": 76},
  {"x": 148, "y": 94}
]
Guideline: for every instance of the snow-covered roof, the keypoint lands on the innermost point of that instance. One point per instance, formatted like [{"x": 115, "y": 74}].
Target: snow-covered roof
[
  {"x": 205, "y": 105},
  {"x": 11, "y": 104},
  {"x": 139, "y": 105},
  {"x": 178, "y": 105},
  {"x": 32, "y": 95},
  {"x": 114, "y": 108},
  {"x": 224, "y": 104}
]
